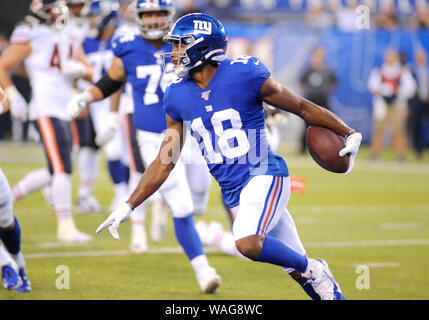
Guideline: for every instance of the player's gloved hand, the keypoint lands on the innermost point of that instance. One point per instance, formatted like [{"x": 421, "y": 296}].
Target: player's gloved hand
[
  {"x": 18, "y": 105},
  {"x": 74, "y": 69},
  {"x": 115, "y": 219},
  {"x": 110, "y": 130},
  {"x": 78, "y": 103},
  {"x": 352, "y": 146}
]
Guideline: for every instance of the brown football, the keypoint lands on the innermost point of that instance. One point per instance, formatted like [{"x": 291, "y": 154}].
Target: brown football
[{"x": 324, "y": 146}]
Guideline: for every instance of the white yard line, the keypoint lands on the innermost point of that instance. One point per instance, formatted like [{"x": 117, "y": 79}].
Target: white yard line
[
  {"x": 399, "y": 226},
  {"x": 339, "y": 244}
]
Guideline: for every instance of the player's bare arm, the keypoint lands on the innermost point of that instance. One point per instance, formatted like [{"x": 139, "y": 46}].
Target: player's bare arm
[
  {"x": 110, "y": 83},
  {"x": 160, "y": 168},
  {"x": 81, "y": 57},
  {"x": 4, "y": 102},
  {"x": 116, "y": 72},
  {"x": 10, "y": 59},
  {"x": 153, "y": 177},
  {"x": 283, "y": 98}
]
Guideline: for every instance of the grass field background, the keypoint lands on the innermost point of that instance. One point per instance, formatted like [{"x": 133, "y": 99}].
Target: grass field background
[{"x": 377, "y": 217}]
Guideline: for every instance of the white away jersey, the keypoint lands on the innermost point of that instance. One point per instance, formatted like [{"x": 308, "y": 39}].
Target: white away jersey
[{"x": 51, "y": 90}]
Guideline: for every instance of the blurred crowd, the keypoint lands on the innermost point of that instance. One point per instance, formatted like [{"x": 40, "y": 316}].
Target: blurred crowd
[{"x": 384, "y": 14}]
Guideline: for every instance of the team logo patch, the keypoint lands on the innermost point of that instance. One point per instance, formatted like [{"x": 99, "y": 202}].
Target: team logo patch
[
  {"x": 205, "y": 95},
  {"x": 202, "y": 27}
]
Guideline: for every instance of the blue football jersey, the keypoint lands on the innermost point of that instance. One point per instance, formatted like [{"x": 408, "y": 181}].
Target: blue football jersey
[
  {"x": 99, "y": 54},
  {"x": 142, "y": 63},
  {"x": 227, "y": 119}
]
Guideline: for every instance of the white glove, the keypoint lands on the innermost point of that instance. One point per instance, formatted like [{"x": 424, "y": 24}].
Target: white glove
[
  {"x": 74, "y": 69},
  {"x": 352, "y": 146},
  {"x": 110, "y": 130},
  {"x": 115, "y": 219},
  {"x": 18, "y": 105},
  {"x": 78, "y": 103}
]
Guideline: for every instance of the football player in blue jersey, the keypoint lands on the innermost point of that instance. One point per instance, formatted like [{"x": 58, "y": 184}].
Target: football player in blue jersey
[
  {"x": 10, "y": 231},
  {"x": 220, "y": 101},
  {"x": 138, "y": 60}
]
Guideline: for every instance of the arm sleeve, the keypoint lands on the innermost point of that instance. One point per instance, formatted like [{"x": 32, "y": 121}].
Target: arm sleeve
[{"x": 259, "y": 74}]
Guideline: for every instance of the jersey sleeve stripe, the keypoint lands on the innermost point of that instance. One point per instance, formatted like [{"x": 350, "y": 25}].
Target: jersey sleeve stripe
[{"x": 20, "y": 39}]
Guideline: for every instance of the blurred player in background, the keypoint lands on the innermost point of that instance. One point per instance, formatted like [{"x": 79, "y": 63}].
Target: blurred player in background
[
  {"x": 10, "y": 231},
  {"x": 97, "y": 128},
  {"x": 230, "y": 129},
  {"x": 138, "y": 242},
  {"x": 138, "y": 58},
  {"x": 53, "y": 60}
]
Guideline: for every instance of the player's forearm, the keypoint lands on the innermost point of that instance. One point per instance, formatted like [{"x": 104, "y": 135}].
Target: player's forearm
[
  {"x": 115, "y": 100},
  {"x": 322, "y": 117},
  {"x": 5, "y": 79},
  {"x": 151, "y": 181},
  {"x": 104, "y": 88}
]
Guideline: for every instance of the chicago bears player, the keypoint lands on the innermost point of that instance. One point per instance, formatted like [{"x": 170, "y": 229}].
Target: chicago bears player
[
  {"x": 53, "y": 59},
  {"x": 10, "y": 231},
  {"x": 138, "y": 58},
  {"x": 230, "y": 129}
]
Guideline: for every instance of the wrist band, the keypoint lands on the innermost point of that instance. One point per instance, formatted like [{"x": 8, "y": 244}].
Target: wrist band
[
  {"x": 129, "y": 204},
  {"x": 351, "y": 131}
]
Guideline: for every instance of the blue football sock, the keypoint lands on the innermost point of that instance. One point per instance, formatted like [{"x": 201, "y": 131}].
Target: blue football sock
[
  {"x": 118, "y": 172},
  {"x": 276, "y": 252},
  {"x": 188, "y": 237},
  {"x": 12, "y": 238}
]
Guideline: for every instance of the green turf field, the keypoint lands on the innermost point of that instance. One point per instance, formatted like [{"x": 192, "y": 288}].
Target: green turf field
[{"x": 378, "y": 218}]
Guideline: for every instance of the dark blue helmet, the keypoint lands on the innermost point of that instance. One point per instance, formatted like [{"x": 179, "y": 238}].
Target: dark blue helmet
[
  {"x": 156, "y": 26},
  {"x": 102, "y": 14},
  {"x": 205, "y": 38}
]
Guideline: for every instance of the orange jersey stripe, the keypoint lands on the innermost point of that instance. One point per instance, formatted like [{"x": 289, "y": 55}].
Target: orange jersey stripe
[{"x": 51, "y": 145}]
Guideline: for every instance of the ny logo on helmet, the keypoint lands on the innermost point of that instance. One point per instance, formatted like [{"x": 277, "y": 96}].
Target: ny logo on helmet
[{"x": 203, "y": 27}]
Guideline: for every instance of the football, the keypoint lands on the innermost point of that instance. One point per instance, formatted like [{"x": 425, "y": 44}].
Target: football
[{"x": 324, "y": 146}]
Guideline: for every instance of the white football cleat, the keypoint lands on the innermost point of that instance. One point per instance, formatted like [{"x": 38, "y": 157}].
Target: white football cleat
[
  {"x": 209, "y": 281},
  {"x": 74, "y": 236},
  {"x": 321, "y": 279},
  {"x": 215, "y": 229},
  {"x": 87, "y": 205},
  {"x": 138, "y": 240}
]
